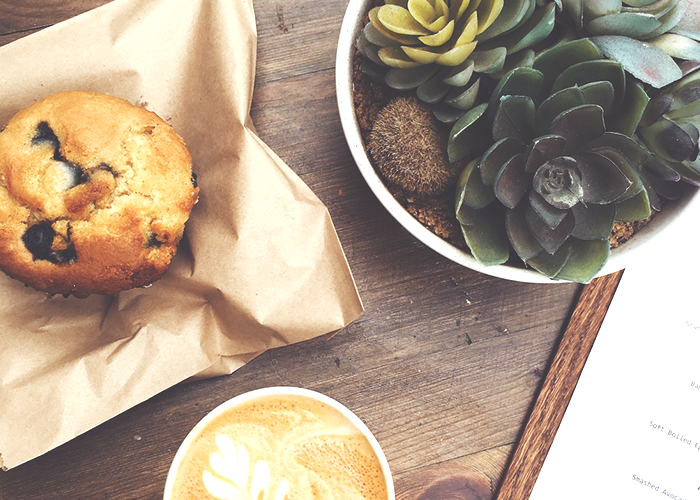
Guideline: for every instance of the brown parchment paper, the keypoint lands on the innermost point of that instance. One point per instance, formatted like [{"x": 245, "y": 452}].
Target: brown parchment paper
[{"x": 260, "y": 265}]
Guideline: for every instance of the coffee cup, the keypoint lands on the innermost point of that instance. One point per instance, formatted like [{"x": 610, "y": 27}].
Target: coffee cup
[{"x": 280, "y": 443}]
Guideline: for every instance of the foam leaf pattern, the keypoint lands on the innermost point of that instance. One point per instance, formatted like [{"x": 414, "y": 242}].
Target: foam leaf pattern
[{"x": 231, "y": 478}]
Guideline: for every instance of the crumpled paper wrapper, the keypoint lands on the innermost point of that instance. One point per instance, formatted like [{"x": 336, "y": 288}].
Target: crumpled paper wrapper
[{"x": 260, "y": 265}]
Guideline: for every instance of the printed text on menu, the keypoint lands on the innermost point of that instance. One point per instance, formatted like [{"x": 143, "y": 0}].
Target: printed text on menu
[{"x": 632, "y": 428}]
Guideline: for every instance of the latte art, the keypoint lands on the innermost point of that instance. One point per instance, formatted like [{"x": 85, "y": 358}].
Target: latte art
[
  {"x": 232, "y": 463},
  {"x": 279, "y": 447}
]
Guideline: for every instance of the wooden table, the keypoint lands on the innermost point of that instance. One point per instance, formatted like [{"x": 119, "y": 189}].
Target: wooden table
[{"x": 445, "y": 363}]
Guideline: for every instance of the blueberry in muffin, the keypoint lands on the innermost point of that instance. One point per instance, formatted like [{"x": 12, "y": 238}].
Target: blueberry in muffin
[{"x": 94, "y": 195}]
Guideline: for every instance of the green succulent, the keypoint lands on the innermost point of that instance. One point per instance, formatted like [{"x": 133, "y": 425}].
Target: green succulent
[
  {"x": 640, "y": 19},
  {"x": 644, "y": 35},
  {"x": 559, "y": 166},
  {"x": 407, "y": 51},
  {"x": 670, "y": 129},
  {"x": 413, "y": 33}
]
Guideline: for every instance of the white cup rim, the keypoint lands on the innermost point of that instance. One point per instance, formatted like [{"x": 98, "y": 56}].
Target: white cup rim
[{"x": 279, "y": 391}]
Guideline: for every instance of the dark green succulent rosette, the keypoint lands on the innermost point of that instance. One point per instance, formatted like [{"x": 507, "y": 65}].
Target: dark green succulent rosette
[
  {"x": 670, "y": 128},
  {"x": 554, "y": 164}
]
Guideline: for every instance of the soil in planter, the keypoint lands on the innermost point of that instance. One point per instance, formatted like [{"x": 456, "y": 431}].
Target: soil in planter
[{"x": 436, "y": 213}]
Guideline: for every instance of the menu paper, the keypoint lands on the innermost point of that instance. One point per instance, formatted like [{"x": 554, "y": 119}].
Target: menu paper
[
  {"x": 632, "y": 427},
  {"x": 260, "y": 265}
]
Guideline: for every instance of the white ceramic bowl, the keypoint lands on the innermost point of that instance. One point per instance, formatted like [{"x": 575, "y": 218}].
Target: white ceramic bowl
[
  {"x": 348, "y": 415},
  {"x": 620, "y": 257}
]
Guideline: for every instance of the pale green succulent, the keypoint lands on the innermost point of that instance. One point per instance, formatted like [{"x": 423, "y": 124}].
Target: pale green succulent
[
  {"x": 644, "y": 35},
  {"x": 489, "y": 37},
  {"x": 413, "y": 33},
  {"x": 640, "y": 19}
]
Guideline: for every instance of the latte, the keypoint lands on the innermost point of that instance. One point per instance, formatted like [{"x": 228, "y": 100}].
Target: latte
[{"x": 280, "y": 444}]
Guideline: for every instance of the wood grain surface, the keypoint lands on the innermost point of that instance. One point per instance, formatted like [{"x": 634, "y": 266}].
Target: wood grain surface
[{"x": 444, "y": 364}]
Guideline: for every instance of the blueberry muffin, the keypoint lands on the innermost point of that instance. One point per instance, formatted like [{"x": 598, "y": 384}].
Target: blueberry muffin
[{"x": 94, "y": 195}]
